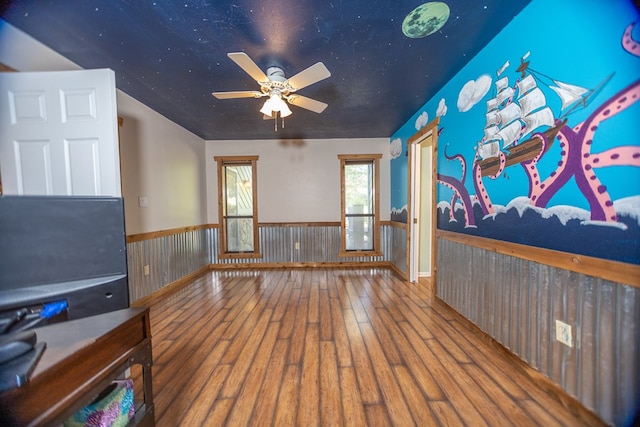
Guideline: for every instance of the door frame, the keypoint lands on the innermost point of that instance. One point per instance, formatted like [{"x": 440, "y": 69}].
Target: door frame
[{"x": 431, "y": 129}]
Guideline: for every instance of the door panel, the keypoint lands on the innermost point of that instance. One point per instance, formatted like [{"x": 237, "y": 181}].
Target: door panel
[{"x": 58, "y": 133}]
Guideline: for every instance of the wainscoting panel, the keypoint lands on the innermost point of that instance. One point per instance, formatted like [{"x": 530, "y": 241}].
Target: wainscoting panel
[
  {"x": 398, "y": 247},
  {"x": 299, "y": 244},
  {"x": 169, "y": 258},
  {"x": 174, "y": 255},
  {"x": 517, "y": 302}
]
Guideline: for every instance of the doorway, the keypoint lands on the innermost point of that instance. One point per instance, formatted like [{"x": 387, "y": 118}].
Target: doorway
[{"x": 422, "y": 151}]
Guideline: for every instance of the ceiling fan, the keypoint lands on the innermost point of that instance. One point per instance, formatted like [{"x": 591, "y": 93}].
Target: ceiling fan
[{"x": 277, "y": 87}]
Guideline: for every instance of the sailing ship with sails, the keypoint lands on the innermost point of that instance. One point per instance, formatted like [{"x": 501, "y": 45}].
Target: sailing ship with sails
[{"x": 515, "y": 113}]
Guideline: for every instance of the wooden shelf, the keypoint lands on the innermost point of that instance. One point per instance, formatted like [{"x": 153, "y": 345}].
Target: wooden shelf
[{"x": 83, "y": 357}]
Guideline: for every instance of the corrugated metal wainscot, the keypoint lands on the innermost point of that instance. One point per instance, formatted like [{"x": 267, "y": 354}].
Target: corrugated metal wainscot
[
  {"x": 157, "y": 262},
  {"x": 517, "y": 302}
]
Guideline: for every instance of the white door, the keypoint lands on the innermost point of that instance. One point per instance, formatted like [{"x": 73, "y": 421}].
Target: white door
[
  {"x": 420, "y": 228},
  {"x": 59, "y": 133}
]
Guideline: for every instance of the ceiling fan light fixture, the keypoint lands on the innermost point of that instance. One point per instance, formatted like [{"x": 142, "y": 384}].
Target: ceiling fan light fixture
[
  {"x": 275, "y": 104},
  {"x": 285, "y": 111}
]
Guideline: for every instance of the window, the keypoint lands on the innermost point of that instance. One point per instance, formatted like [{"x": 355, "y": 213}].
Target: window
[
  {"x": 237, "y": 206},
  {"x": 360, "y": 222}
]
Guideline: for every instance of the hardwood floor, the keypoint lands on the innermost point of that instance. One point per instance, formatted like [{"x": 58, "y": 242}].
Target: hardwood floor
[{"x": 332, "y": 347}]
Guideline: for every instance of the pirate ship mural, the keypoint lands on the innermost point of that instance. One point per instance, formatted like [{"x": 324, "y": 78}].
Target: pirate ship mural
[
  {"x": 543, "y": 148},
  {"x": 520, "y": 128}
]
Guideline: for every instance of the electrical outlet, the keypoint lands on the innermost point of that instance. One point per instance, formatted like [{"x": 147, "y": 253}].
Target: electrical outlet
[
  {"x": 146, "y": 270},
  {"x": 563, "y": 333},
  {"x": 297, "y": 245}
]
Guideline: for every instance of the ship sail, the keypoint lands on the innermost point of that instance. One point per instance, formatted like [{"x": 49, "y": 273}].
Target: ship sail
[
  {"x": 540, "y": 118},
  {"x": 510, "y": 113},
  {"x": 568, "y": 93},
  {"x": 510, "y": 133}
]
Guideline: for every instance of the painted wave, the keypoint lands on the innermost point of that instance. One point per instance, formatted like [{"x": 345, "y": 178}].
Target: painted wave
[{"x": 563, "y": 228}]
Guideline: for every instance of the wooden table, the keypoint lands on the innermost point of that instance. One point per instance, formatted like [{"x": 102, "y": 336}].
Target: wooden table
[{"x": 81, "y": 359}]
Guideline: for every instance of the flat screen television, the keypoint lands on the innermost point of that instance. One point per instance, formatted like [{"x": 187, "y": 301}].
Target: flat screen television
[{"x": 58, "y": 248}]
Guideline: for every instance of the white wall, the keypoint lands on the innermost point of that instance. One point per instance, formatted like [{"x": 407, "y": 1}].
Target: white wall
[
  {"x": 298, "y": 180},
  {"x": 164, "y": 163},
  {"x": 159, "y": 159}
]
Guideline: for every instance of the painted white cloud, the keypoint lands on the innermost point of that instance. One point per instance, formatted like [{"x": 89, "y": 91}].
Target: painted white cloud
[
  {"x": 422, "y": 120},
  {"x": 442, "y": 108},
  {"x": 395, "y": 148},
  {"x": 472, "y": 92}
]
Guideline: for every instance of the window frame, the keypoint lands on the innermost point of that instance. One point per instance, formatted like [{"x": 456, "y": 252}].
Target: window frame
[
  {"x": 222, "y": 163},
  {"x": 374, "y": 160}
]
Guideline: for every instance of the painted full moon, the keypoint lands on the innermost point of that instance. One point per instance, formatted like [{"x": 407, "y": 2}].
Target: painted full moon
[{"x": 425, "y": 19}]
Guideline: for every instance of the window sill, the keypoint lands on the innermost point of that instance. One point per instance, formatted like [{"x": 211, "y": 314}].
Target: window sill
[
  {"x": 240, "y": 255},
  {"x": 352, "y": 254}
]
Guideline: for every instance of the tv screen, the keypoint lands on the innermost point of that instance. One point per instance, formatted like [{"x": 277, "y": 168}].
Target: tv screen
[{"x": 63, "y": 248}]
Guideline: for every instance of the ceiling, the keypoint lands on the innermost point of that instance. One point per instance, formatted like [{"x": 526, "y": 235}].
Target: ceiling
[{"x": 171, "y": 55}]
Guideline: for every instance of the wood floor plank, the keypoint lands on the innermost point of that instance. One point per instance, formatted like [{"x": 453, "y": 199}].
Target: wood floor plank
[
  {"x": 220, "y": 411},
  {"x": 309, "y": 406},
  {"x": 473, "y": 393},
  {"x": 268, "y": 395},
  {"x": 330, "y": 402},
  {"x": 282, "y": 303},
  {"x": 414, "y": 363},
  {"x": 391, "y": 351},
  {"x": 445, "y": 413},
  {"x": 242, "y": 410},
  {"x": 364, "y": 371},
  {"x": 326, "y": 327},
  {"x": 242, "y": 362},
  {"x": 289, "y": 317},
  {"x": 296, "y": 349},
  {"x": 354, "y": 413},
  {"x": 198, "y": 413},
  {"x": 334, "y": 347},
  {"x": 391, "y": 394},
  {"x": 377, "y": 416},
  {"x": 182, "y": 400},
  {"x": 415, "y": 399},
  {"x": 466, "y": 410},
  {"x": 287, "y": 409},
  {"x": 497, "y": 395},
  {"x": 340, "y": 334},
  {"x": 540, "y": 413},
  {"x": 356, "y": 303},
  {"x": 193, "y": 353},
  {"x": 313, "y": 314}
]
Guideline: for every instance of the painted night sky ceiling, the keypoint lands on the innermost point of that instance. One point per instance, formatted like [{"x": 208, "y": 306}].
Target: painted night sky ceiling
[{"x": 386, "y": 58}]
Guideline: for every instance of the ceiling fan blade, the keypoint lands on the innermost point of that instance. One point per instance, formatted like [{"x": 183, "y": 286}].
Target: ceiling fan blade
[
  {"x": 309, "y": 76},
  {"x": 238, "y": 94},
  {"x": 249, "y": 67},
  {"x": 308, "y": 103}
]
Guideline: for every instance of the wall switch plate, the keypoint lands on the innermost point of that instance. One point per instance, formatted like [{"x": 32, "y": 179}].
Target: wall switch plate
[
  {"x": 297, "y": 246},
  {"x": 563, "y": 333},
  {"x": 146, "y": 270},
  {"x": 143, "y": 201}
]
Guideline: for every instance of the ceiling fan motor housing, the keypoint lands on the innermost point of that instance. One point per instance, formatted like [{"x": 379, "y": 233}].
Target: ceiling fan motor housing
[{"x": 276, "y": 74}]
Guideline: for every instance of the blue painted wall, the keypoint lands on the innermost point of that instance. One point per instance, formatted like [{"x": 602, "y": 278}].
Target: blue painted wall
[{"x": 579, "y": 42}]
